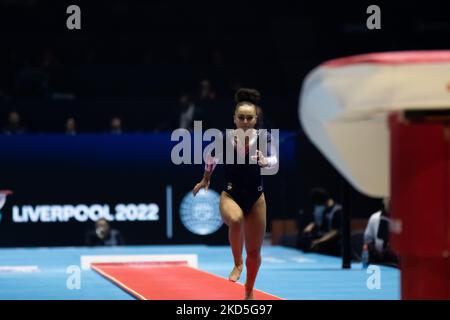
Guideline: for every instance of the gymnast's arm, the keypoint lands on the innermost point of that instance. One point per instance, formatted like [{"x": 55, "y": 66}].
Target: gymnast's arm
[
  {"x": 269, "y": 161},
  {"x": 210, "y": 165},
  {"x": 272, "y": 159}
]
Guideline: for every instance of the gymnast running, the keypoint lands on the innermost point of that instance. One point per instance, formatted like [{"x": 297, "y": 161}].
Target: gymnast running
[{"x": 242, "y": 202}]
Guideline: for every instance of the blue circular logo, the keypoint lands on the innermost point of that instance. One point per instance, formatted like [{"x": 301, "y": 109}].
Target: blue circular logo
[{"x": 200, "y": 214}]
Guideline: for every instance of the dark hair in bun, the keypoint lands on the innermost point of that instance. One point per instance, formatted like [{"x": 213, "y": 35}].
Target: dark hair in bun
[{"x": 247, "y": 95}]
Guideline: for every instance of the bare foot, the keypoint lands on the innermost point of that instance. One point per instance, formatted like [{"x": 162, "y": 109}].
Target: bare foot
[
  {"x": 235, "y": 274},
  {"x": 249, "y": 295}
]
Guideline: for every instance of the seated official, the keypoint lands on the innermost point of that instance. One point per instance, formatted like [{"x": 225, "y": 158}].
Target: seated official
[{"x": 103, "y": 235}]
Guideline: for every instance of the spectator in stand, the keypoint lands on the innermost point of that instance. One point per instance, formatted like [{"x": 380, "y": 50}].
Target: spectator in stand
[
  {"x": 187, "y": 112},
  {"x": 206, "y": 103},
  {"x": 71, "y": 128},
  {"x": 14, "y": 125},
  {"x": 116, "y": 125}
]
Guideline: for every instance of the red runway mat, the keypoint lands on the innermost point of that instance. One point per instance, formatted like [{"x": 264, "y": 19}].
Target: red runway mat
[{"x": 172, "y": 281}]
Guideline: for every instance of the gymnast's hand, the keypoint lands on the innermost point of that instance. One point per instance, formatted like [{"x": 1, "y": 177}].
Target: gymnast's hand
[
  {"x": 202, "y": 184},
  {"x": 260, "y": 158}
]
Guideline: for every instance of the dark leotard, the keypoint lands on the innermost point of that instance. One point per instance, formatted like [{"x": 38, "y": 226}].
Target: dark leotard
[{"x": 244, "y": 182}]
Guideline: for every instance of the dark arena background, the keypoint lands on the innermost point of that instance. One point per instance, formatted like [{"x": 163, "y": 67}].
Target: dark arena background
[{"x": 90, "y": 98}]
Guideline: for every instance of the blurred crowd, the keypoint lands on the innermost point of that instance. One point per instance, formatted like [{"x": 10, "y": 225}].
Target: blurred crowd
[{"x": 200, "y": 106}]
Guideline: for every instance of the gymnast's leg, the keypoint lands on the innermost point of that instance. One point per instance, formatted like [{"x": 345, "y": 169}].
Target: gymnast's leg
[
  {"x": 254, "y": 230},
  {"x": 233, "y": 217}
]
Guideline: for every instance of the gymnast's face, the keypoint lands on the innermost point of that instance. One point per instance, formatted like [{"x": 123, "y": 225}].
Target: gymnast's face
[{"x": 245, "y": 117}]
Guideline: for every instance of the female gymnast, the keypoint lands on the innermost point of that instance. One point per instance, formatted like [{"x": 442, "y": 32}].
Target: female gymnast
[{"x": 242, "y": 202}]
